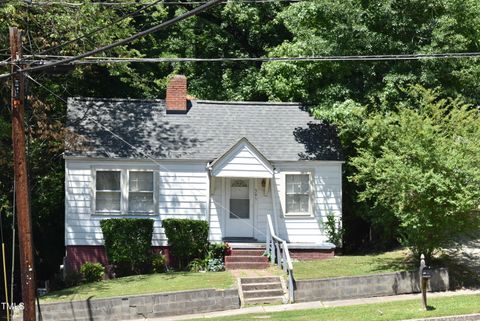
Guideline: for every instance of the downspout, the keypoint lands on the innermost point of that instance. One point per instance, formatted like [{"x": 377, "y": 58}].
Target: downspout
[
  {"x": 208, "y": 199},
  {"x": 273, "y": 186}
]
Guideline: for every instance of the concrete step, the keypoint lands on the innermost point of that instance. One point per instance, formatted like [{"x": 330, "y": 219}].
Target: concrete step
[
  {"x": 245, "y": 258},
  {"x": 246, "y": 265},
  {"x": 248, "y": 252},
  {"x": 266, "y": 300},
  {"x": 262, "y": 286},
  {"x": 262, "y": 293},
  {"x": 270, "y": 279}
]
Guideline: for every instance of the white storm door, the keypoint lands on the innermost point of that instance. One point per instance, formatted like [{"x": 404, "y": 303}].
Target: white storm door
[{"x": 239, "y": 220}]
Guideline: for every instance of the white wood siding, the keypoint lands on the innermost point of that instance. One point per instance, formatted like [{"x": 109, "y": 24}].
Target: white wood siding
[
  {"x": 217, "y": 209},
  {"x": 182, "y": 193},
  {"x": 326, "y": 181},
  {"x": 242, "y": 161},
  {"x": 181, "y": 190}
]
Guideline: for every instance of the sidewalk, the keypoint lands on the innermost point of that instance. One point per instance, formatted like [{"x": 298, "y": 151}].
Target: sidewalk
[{"x": 309, "y": 305}]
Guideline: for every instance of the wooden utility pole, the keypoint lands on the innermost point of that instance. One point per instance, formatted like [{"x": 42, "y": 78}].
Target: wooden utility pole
[{"x": 22, "y": 194}]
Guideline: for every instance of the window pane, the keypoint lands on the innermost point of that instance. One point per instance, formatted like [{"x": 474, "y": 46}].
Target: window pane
[
  {"x": 297, "y": 193},
  {"x": 240, "y": 208},
  {"x": 304, "y": 186},
  {"x": 239, "y": 183},
  {"x": 109, "y": 181},
  {"x": 297, "y": 184},
  {"x": 239, "y": 189},
  {"x": 140, "y": 202},
  {"x": 290, "y": 186},
  {"x": 141, "y": 181},
  {"x": 107, "y": 201},
  {"x": 292, "y": 204},
  {"x": 303, "y": 203}
]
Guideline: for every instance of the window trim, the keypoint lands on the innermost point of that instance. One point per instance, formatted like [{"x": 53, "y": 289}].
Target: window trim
[
  {"x": 283, "y": 196},
  {"x": 124, "y": 188},
  {"x": 127, "y": 195},
  {"x": 94, "y": 200}
]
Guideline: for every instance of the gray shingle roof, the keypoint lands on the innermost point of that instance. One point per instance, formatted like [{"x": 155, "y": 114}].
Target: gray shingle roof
[{"x": 280, "y": 131}]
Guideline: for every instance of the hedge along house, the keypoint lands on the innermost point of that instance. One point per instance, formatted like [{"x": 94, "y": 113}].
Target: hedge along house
[{"x": 230, "y": 163}]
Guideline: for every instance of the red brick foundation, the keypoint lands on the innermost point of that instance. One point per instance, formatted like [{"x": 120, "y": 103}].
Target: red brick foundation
[
  {"x": 77, "y": 255},
  {"x": 311, "y": 254}
]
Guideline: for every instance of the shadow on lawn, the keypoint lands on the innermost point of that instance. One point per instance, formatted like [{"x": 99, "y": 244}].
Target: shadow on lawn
[
  {"x": 92, "y": 287},
  {"x": 463, "y": 264},
  {"x": 463, "y": 269},
  {"x": 106, "y": 285},
  {"x": 405, "y": 263}
]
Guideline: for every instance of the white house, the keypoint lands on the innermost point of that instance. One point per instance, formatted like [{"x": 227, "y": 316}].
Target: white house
[{"x": 230, "y": 163}]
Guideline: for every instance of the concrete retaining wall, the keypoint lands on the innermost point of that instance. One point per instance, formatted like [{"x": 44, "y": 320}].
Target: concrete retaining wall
[
  {"x": 138, "y": 307},
  {"x": 367, "y": 286}
]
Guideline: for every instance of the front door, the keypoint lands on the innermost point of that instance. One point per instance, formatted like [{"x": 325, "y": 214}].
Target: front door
[{"x": 239, "y": 220}]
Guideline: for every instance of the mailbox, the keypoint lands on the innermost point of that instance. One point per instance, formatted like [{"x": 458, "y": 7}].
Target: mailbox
[{"x": 426, "y": 273}]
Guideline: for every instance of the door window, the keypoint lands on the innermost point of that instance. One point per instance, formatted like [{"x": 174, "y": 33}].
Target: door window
[{"x": 239, "y": 199}]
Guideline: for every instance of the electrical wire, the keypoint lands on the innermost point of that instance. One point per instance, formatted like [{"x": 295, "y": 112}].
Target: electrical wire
[
  {"x": 115, "y": 60},
  {"x": 124, "y": 41},
  {"x": 128, "y": 15}
]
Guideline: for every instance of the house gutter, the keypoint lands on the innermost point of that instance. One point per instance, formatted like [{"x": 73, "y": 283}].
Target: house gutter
[
  {"x": 274, "y": 204},
  {"x": 207, "y": 214}
]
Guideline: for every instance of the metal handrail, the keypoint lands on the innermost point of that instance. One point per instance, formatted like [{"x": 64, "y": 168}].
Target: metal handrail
[{"x": 277, "y": 250}]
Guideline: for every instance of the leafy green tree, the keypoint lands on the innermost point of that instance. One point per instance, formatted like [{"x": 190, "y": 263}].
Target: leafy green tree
[
  {"x": 353, "y": 27},
  {"x": 335, "y": 91},
  {"x": 420, "y": 163}
]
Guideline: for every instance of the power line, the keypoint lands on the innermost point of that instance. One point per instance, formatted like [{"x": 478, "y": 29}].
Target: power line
[
  {"x": 125, "y": 41},
  {"x": 116, "y": 60},
  {"x": 131, "y": 14}
]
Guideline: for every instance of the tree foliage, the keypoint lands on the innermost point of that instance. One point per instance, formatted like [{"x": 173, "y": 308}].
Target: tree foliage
[
  {"x": 187, "y": 238},
  {"x": 128, "y": 243},
  {"x": 420, "y": 163},
  {"x": 346, "y": 93}
]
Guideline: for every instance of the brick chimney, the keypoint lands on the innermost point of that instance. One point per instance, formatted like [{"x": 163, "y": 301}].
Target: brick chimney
[{"x": 177, "y": 95}]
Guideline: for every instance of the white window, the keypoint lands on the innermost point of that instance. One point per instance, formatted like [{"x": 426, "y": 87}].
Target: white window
[
  {"x": 122, "y": 191},
  {"x": 140, "y": 192},
  {"x": 297, "y": 194},
  {"x": 108, "y": 191}
]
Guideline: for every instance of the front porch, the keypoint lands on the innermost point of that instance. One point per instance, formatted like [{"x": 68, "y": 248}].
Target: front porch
[
  {"x": 246, "y": 252},
  {"x": 298, "y": 251}
]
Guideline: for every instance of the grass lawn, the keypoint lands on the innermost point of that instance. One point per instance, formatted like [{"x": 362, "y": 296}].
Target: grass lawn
[
  {"x": 349, "y": 265},
  {"x": 391, "y": 311},
  {"x": 141, "y": 284}
]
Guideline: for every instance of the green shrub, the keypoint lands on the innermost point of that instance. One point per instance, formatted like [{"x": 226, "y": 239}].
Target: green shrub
[
  {"x": 128, "y": 244},
  {"x": 334, "y": 230},
  {"x": 159, "y": 263},
  {"x": 72, "y": 279},
  {"x": 217, "y": 250},
  {"x": 188, "y": 239},
  {"x": 92, "y": 272},
  {"x": 197, "y": 265}
]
